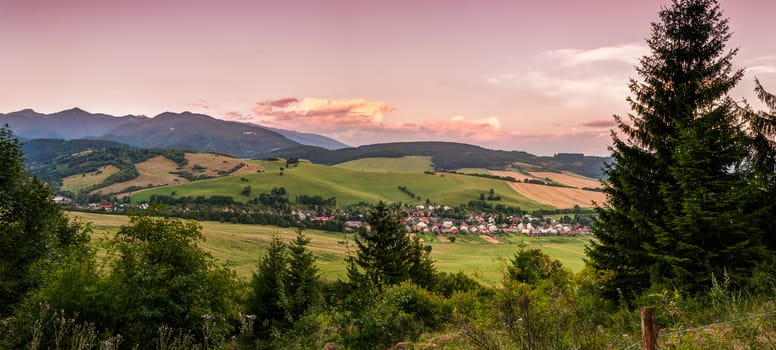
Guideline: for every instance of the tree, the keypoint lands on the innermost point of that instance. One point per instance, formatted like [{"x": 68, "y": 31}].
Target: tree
[
  {"x": 284, "y": 289},
  {"x": 677, "y": 188},
  {"x": 387, "y": 256},
  {"x": 161, "y": 276},
  {"x": 304, "y": 278},
  {"x": 268, "y": 300},
  {"x": 32, "y": 226}
]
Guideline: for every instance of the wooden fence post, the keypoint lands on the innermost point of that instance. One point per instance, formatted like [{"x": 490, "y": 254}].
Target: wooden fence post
[{"x": 648, "y": 329}]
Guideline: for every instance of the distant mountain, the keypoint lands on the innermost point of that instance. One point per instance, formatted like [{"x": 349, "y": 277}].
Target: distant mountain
[
  {"x": 449, "y": 155},
  {"x": 201, "y": 133},
  {"x": 69, "y": 124},
  {"x": 310, "y": 139},
  {"x": 189, "y": 131}
]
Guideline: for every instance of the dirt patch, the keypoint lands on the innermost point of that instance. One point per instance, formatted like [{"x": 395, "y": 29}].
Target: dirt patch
[
  {"x": 566, "y": 179},
  {"x": 558, "y": 197},
  {"x": 489, "y": 239}
]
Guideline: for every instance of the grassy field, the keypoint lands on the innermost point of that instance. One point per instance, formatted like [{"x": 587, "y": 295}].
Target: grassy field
[
  {"x": 409, "y": 164},
  {"x": 350, "y": 186},
  {"x": 77, "y": 182},
  {"x": 243, "y": 245}
]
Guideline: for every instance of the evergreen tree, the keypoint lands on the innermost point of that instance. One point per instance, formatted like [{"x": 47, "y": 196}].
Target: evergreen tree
[
  {"x": 304, "y": 279},
  {"x": 387, "y": 256},
  {"x": 762, "y": 129},
  {"x": 268, "y": 300},
  {"x": 676, "y": 189}
]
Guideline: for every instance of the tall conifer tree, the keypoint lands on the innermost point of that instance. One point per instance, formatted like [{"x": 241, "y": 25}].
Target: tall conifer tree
[{"x": 676, "y": 189}]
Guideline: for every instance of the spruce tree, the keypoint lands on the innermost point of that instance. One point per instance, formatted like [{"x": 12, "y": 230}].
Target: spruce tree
[
  {"x": 268, "y": 300},
  {"x": 676, "y": 189},
  {"x": 387, "y": 256},
  {"x": 303, "y": 279}
]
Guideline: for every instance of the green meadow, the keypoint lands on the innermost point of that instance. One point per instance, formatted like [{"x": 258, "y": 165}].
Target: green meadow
[
  {"x": 350, "y": 186},
  {"x": 241, "y": 246},
  {"x": 409, "y": 164}
]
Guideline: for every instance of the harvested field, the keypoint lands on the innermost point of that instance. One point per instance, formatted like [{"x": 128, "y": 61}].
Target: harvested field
[
  {"x": 213, "y": 163},
  {"x": 154, "y": 172},
  {"x": 559, "y": 197},
  {"x": 78, "y": 182},
  {"x": 567, "y": 179}
]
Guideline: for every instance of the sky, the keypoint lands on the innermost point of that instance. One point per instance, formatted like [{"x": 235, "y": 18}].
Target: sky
[{"x": 537, "y": 76}]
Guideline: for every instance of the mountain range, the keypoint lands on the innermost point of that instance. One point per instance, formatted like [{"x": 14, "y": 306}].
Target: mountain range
[
  {"x": 187, "y": 131},
  {"x": 203, "y": 133}
]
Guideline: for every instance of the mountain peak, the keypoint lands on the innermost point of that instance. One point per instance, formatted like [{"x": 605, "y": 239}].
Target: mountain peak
[{"x": 75, "y": 110}]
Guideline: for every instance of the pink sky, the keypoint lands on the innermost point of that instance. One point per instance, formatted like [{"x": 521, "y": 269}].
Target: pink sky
[{"x": 539, "y": 76}]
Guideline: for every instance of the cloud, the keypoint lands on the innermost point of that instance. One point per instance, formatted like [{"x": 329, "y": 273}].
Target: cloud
[
  {"x": 232, "y": 115},
  {"x": 761, "y": 64},
  {"x": 458, "y": 128},
  {"x": 578, "y": 77},
  {"x": 629, "y": 53},
  {"x": 323, "y": 114},
  {"x": 600, "y": 123},
  {"x": 202, "y": 104},
  {"x": 765, "y": 69}
]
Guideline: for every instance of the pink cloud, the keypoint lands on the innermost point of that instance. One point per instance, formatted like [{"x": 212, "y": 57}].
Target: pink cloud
[
  {"x": 231, "y": 115},
  {"x": 600, "y": 123},
  {"x": 323, "y": 114}
]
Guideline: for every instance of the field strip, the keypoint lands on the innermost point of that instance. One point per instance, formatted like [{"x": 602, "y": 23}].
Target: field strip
[
  {"x": 567, "y": 179},
  {"x": 559, "y": 197}
]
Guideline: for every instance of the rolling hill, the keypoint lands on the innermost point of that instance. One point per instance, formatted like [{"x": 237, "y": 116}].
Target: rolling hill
[
  {"x": 350, "y": 186},
  {"x": 449, "y": 156}
]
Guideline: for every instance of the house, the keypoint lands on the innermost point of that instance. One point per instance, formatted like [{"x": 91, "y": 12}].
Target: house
[{"x": 62, "y": 200}]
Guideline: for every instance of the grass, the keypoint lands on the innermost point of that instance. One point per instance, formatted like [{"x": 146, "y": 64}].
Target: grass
[
  {"x": 78, "y": 182},
  {"x": 350, "y": 186},
  {"x": 409, "y": 164},
  {"x": 242, "y": 246}
]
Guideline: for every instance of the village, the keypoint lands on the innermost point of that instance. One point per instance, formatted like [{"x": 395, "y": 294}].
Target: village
[{"x": 425, "y": 219}]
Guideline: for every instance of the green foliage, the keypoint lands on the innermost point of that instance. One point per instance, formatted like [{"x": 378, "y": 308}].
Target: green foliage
[
  {"x": 449, "y": 283},
  {"x": 268, "y": 300},
  {"x": 388, "y": 256},
  {"x": 532, "y": 266},
  {"x": 680, "y": 200},
  {"x": 161, "y": 276},
  {"x": 32, "y": 227},
  {"x": 285, "y": 291},
  {"x": 398, "y": 313}
]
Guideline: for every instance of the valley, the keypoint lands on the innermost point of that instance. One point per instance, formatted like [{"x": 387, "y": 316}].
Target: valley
[{"x": 242, "y": 246}]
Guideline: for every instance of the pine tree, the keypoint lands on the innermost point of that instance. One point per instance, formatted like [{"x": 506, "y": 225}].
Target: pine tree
[
  {"x": 387, "y": 256},
  {"x": 268, "y": 300},
  {"x": 676, "y": 189},
  {"x": 303, "y": 279}
]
